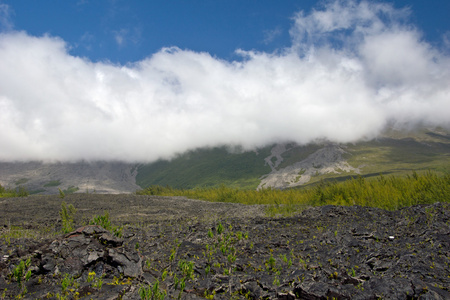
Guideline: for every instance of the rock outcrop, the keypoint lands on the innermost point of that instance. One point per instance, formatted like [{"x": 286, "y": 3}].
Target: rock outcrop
[
  {"x": 329, "y": 159},
  {"x": 87, "y": 249}
]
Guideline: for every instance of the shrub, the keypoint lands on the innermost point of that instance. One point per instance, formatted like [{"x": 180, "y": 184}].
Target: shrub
[
  {"x": 22, "y": 274},
  {"x": 105, "y": 222},
  {"x": 66, "y": 213}
]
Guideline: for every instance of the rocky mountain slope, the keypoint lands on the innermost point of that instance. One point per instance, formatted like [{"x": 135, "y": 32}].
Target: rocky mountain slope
[
  {"x": 326, "y": 160},
  {"x": 48, "y": 178}
]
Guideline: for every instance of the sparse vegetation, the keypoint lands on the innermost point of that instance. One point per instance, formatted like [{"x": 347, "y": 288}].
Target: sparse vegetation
[
  {"x": 105, "y": 222},
  {"x": 21, "y": 273},
  {"x": 53, "y": 183},
  {"x": 20, "y": 191},
  {"x": 67, "y": 213},
  {"x": 387, "y": 192},
  {"x": 152, "y": 292},
  {"x": 61, "y": 194},
  {"x": 69, "y": 288},
  {"x": 207, "y": 258},
  {"x": 71, "y": 190}
]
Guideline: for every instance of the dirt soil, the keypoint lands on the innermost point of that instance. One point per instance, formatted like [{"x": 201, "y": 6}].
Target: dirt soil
[{"x": 175, "y": 247}]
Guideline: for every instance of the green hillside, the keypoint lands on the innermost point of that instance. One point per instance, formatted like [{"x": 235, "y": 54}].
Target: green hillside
[
  {"x": 207, "y": 168},
  {"x": 395, "y": 153}
]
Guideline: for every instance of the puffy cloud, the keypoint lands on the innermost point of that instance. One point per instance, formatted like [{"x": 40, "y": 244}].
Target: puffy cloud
[{"x": 353, "y": 68}]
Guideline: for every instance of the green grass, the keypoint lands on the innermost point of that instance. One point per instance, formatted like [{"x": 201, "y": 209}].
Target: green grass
[
  {"x": 20, "y": 191},
  {"x": 386, "y": 192},
  {"x": 399, "y": 156}
]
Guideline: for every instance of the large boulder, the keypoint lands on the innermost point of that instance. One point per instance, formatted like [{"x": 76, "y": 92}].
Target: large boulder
[{"x": 89, "y": 248}]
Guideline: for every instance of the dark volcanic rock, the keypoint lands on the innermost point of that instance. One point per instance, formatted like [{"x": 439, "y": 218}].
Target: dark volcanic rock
[
  {"x": 323, "y": 253},
  {"x": 89, "y": 248}
]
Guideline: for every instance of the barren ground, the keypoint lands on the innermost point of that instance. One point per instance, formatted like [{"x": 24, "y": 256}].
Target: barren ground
[{"x": 235, "y": 251}]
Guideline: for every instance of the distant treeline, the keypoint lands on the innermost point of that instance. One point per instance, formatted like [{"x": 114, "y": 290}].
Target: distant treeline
[{"x": 386, "y": 192}]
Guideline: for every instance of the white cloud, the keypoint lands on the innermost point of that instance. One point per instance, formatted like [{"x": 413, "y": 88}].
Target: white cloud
[
  {"x": 86, "y": 41},
  {"x": 271, "y": 35},
  {"x": 124, "y": 36},
  {"x": 342, "y": 86},
  {"x": 5, "y": 17},
  {"x": 120, "y": 36}
]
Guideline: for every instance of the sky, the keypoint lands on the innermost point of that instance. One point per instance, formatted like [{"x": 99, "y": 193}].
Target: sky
[{"x": 138, "y": 81}]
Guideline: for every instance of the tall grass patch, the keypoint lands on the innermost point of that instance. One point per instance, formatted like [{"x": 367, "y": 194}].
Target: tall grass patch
[
  {"x": 386, "y": 192},
  {"x": 19, "y": 191}
]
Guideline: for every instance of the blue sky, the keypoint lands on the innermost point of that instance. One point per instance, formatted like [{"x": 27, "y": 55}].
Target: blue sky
[
  {"x": 143, "y": 80},
  {"x": 124, "y": 31},
  {"x": 128, "y": 31}
]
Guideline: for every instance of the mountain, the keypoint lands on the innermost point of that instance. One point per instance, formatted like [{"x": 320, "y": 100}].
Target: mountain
[
  {"x": 290, "y": 165},
  {"x": 284, "y": 165},
  {"x": 86, "y": 177}
]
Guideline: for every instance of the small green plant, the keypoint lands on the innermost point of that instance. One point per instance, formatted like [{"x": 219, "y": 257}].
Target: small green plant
[
  {"x": 120, "y": 280},
  {"x": 276, "y": 281},
  {"x": 66, "y": 213},
  {"x": 209, "y": 295},
  {"x": 173, "y": 251},
  {"x": 186, "y": 268},
  {"x": 61, "y": 194},
  {"x": 105, "y": 222},
  {"x": 182, "y": 286},
  {"x": 68, "y": 287},
  {"x": 270, "y": 263},
  {"x": 333, "y": 275},
  {"x": 96, "y": 282},
  {"x": 219, "y": 228},
  {"x": 163, "y": 275},
  {"x": 152, "y": 292},
  {"x": 3, "y": 296},
  {"x": 22, "y": 274}
]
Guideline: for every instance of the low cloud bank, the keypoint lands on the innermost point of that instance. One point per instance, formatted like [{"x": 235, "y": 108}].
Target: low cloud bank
[{"x": 352, "y": 68}]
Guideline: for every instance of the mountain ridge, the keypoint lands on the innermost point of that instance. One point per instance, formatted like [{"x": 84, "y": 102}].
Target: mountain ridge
[{"x": 282, "y": 165}]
